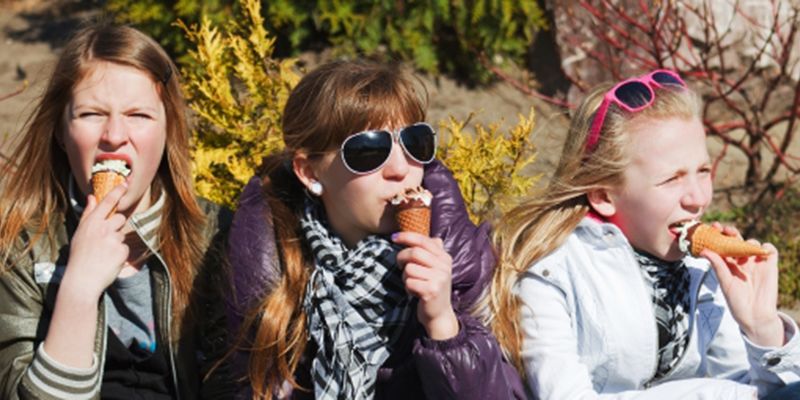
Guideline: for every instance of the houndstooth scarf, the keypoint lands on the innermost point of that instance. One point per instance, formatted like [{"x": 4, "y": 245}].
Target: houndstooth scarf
[
  {"x": 669, "y": 287},
  {"x": 356, "y": 306}
]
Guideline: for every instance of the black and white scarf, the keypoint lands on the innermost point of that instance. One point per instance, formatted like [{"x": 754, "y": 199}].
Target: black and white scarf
[
  {"x": 669, "y": 287},
  {"x": 356, "y": 305}
]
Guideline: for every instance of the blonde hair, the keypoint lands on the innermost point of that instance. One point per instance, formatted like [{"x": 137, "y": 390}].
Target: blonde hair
[
  {"x": 330, "y": 103},
  {"x": 539, "y": 225},
  {"x": 34, "y": 181}
]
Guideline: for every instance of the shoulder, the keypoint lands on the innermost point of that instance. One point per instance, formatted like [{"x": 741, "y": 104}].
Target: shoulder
[
  {"x": 252, "y": 248},
  {"x": 218, "y": 218},
  {"x": 592, "y": 246},
  {"x": 448, "y": 204},
  {"x": 32, "y": 269}
]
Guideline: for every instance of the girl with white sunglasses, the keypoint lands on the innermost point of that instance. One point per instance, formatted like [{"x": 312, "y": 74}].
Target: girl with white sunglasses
[{"x": 335, "y": 303}]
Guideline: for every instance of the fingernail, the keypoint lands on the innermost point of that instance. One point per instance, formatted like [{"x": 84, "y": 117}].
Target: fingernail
[{"x": 394, "y": 236}]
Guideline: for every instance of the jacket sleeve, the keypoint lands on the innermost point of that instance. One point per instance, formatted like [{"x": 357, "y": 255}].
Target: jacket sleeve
[
  {"x": 471, "y": 364},
  {"x": 26, "y": 372},
  {"x": 553, "y": 364},
  {"x": 731, "y": 355}
]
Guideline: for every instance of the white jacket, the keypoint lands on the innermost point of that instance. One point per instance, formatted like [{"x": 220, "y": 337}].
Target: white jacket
[{"x": 590, "y": 332}]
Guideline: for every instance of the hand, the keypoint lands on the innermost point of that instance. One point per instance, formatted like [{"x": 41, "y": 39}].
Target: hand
[
  {"x": 750, "y": 285},
  {"x": 428, "y": 275},
  {"x": 97, "y": 252}
]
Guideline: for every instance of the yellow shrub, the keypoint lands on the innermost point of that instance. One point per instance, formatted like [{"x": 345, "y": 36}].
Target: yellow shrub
[
  {"x": 489, "y": 164},
  {"x": 237, "y": 91}
]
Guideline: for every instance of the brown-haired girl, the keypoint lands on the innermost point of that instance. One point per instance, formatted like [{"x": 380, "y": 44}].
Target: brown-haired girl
[
  {"x": 595, "y": 297},
  {"x": 337, "y": 305},
  {"x": 113, "y": 298}
]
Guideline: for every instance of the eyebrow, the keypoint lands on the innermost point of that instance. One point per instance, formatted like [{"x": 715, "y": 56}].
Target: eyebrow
[{"x": 93, "y": 105}]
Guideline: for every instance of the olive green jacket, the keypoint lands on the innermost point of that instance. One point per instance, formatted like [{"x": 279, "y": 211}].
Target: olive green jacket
[{"x": 28, "y": 290}]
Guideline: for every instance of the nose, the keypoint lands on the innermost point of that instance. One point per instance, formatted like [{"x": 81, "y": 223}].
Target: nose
[
  {"x": 397, "y": 166},
  {"x": 115, "y": 132},
  {"x": 697, "y": 193}
]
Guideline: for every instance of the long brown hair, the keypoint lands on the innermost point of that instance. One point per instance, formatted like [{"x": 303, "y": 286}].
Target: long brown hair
[
  {"x": 328, "y": 104},
  {"x": 540, "y": 224},
  {"x": 34, "y": 180}
]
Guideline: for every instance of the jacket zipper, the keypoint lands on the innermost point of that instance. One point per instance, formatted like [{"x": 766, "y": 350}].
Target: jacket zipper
[
  {"x": 168, "y": 314},
  {"x": 104, "y": 340}
]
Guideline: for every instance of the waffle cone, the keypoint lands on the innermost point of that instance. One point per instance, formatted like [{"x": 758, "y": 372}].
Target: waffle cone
[
  {"x": 103, "y": 182},
  {"x": 706, "y": 237},
  {"x": 415, "y": 219}
]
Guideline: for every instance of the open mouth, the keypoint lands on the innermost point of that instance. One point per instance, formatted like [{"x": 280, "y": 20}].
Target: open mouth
[
  {"x": 676, "y": 228},
  {"x": 119, "y": 163}
]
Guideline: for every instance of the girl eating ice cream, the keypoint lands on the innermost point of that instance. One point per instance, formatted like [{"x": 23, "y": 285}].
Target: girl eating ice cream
[
  {"x": 594, "y": 297},
  {"x": 337, "y": 304},
  {"x": 111, "y": 297}
]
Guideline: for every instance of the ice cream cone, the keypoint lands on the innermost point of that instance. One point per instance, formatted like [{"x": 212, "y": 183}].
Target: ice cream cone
[
  {"x": 103, "y": 182},
  {"x": 415, "y": 219},
  {"x": 413, "y": 210},
  {"x": 704, "y": 236}
]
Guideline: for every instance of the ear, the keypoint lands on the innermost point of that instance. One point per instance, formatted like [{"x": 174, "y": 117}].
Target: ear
[
  {"x": 304, "y": 169},
  {"x": 602, "y": 202}
]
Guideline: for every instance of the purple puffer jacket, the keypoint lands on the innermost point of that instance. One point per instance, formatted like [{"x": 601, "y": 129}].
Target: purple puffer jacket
[{"x": 468, "y": 366}]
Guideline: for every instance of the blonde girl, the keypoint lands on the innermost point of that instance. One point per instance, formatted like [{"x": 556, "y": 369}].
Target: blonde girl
[
  {"x": 111, "y": 299},
  {"x": 593, "y": 297}
]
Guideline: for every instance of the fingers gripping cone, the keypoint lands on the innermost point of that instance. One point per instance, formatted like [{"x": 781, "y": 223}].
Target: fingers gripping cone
[
  {"x": 413, "y": 210},
  {"x": 704, "y": 236}
]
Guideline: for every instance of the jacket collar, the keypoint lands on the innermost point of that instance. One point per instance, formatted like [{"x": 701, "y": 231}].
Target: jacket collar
[{"x": 608, "y": 235}]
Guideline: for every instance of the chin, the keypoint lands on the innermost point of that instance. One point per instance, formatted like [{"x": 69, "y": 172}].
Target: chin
[{"x": 673, "y": 254}]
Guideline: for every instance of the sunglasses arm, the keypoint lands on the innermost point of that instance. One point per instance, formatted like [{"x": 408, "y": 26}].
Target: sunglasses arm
[{"x": 597, "y": 125}]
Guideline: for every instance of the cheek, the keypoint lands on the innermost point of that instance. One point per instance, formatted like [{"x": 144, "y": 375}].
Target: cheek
[
  {"x": 708, "y": 191},
  {"x": 415, "y": 175},
  {"x": 79, "y": 139},
  {"x": 152, "y": 149},
  {"x": 80, "y": 146}
]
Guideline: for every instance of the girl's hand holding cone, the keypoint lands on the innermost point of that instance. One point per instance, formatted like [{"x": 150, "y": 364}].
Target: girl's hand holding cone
[
  {"x": 428, "y": 275},
  {"x": 750, "y": 286},
  {"x": 97, "y": 250}
]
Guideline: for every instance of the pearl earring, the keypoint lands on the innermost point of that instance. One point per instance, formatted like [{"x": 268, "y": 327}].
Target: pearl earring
[{"x": 315, "y": 188}]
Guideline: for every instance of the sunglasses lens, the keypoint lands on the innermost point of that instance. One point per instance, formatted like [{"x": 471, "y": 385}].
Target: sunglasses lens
[
  {"x": 666, "y": 78},
  {"x": 419, "y": 141},
  {"x": 367, "y": 151},
  {"x": 634, "y": 94}
]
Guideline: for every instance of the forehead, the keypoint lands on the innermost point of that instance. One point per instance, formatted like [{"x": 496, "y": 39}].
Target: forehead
[
  {"x": 667, "y": 143},
  {"x": 392, "y": 123},
  {"x": 117, "y": 77}
]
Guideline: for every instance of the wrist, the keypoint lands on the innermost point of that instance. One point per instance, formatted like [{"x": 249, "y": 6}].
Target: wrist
[
  {"x": 770, "y": 333},
  {"x": 79, "y": 291},
  {"x": 443, "y": 327}
]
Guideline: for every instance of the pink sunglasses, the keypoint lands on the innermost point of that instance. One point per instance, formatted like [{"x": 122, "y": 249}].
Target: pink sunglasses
[{"x": 632, "y": 95}]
